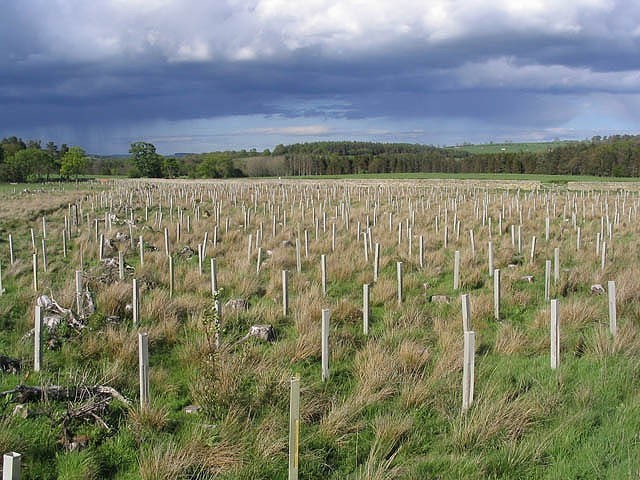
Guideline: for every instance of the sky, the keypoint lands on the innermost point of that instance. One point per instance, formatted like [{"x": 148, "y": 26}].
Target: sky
[{"x": 205, "y": 75}]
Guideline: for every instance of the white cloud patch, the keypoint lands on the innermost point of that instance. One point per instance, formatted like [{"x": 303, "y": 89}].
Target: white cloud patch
[
  {"x": 308, "y": 65},
  {"x": 294, "y": 130},
  {"x": 200, "y": 30},
  {"x": 507, "y": 72}
]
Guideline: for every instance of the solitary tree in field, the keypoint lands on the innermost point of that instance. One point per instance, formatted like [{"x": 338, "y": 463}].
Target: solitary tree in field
[
  {"x": 74, "y": 162},
  {"x": 146, "y": 160}
]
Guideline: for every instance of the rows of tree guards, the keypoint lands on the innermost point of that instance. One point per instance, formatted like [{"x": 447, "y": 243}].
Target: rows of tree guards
[{"x": 617, "y": 156}]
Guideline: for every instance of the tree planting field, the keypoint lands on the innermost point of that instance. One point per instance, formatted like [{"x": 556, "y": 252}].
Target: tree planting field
[{"x": 387, "y": 400}]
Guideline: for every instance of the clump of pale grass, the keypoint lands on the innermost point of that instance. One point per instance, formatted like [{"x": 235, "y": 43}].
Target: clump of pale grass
[
  {"x": 272, "y": 437},
  {"x": 192, "y": 281},
  {"x": 153, "y": 417},
  {"x": 413, "y": 357},
  {"x": 579, "y": 312},
  {"x": 164, "y": 460},
  {"x": 509, "y": 339},
  {"x": 384, "y": 292},
  {"x": 377, "y": 380},
  {"x": 450, "y": 342},
  {"x": 374, "y": 368},
  {"x": 156, "y": 306},
  {"x": 342, "y": 419},
  {"x": 307, "y": 311},
  {"x": 390, "y": 430},
  {"x": 602, "y": 344},
  {"x": 113, "y": 298},
  {"x": 627, "y": 290},
  {"x": 497, "y": 415}
]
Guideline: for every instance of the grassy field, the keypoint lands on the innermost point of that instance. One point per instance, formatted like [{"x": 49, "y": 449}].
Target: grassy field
[
  {"x": 527, "y": 147},
  {"x": 391, "y": 407},
  {"x": 497, "y": 177}
]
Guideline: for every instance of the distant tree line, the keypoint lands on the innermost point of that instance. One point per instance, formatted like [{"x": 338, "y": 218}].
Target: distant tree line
[
  {"x": 617, "y": 155},
  {"x": 20, "y": 161}
]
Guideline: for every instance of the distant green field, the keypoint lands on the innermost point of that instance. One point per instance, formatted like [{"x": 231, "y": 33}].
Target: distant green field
[
  {"x": 531, "y": 147},
  {"x": 476, "y": 176}
]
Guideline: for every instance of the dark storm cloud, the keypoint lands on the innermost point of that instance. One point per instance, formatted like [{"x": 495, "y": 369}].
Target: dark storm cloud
[{"x": 114, "y": 63}]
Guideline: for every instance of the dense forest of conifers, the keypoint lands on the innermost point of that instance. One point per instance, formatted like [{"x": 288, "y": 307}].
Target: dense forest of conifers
[
  {"x": 617, "y": 156},
  {"x": 611, "y": 156}
]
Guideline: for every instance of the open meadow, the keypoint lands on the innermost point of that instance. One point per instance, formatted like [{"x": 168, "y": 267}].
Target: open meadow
[{"x": 321, "y": 329}]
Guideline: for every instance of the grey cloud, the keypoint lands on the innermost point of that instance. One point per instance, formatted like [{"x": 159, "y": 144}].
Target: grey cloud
[{"x": 73, "y": 64}]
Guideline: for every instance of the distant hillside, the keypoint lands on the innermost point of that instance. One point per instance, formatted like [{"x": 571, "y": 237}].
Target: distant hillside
[
  {"x": 617, "y": 155},
  {"x": 509, "y": 147}
]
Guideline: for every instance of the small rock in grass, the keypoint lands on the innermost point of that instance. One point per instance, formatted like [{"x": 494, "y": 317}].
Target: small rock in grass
[
  {"x": 9, "y": 365},
  {"x": 237, "y": 305},
  {"x": 527, "y": 278},
  {"x": 440, "y": 299},
  {"x": 266, "y": 333},
  {"x": 191, "y": 409},
  {"x": 21, "y": 410}
]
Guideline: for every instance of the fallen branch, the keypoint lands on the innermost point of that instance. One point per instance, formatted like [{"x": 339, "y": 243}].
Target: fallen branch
[
  {"x": 266, "y": 333},
  {"x": 9, "y": 365},
  {"x": 24, "y": 393}
]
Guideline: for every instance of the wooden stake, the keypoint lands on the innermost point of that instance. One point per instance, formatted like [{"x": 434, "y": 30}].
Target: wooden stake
[
  {"x": 325, "y": 344},
  {"x": 365, "y": 309},
  {"x": 468, "y": 370},
  {"x": 399, "y": 281},
  {"x": 11, "y": 466},
  {"x": 120, "y": 265},
  {"x": 473, "y": 244},
  {"x": 456, "y": 270},
  {"x": 323, "y": 273},
  {"x": 171, "y": 276},
  {"x": 285, "y": 292},
  {"x": 533, "y": 249},
  {"x": 35, "y": 271},
  {"x": 136, "y": 302},
  {"x": 466, "y": 312},
  {"x": 496, "y": 294},
  {"x": 141, "y": 247},
  {"x": 11, "y": 255},
  {"x": 294, "y": 427},
  {"x": 101, "y": 247},
  {"x": 613, "y": 317},
  {"x": 555, "y": 335},
  {"x": 37, "y": 339},
  {"x": 376, "y": 262},
  {"x": 79, "y": 290},
  {"x": 143, "y": 363},
  {"x": 547, "y": 280},
  {"x": 214, "y": 276}
]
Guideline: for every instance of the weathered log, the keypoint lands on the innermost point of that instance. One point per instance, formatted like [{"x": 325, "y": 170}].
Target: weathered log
[
  {"x": 26, "y": 393},
  {"x": 266, "y": 333},
  {"x": 9, "y": 365},
  {"x": 237, "y": 305},
  {"x": 440, "y": 299}
]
